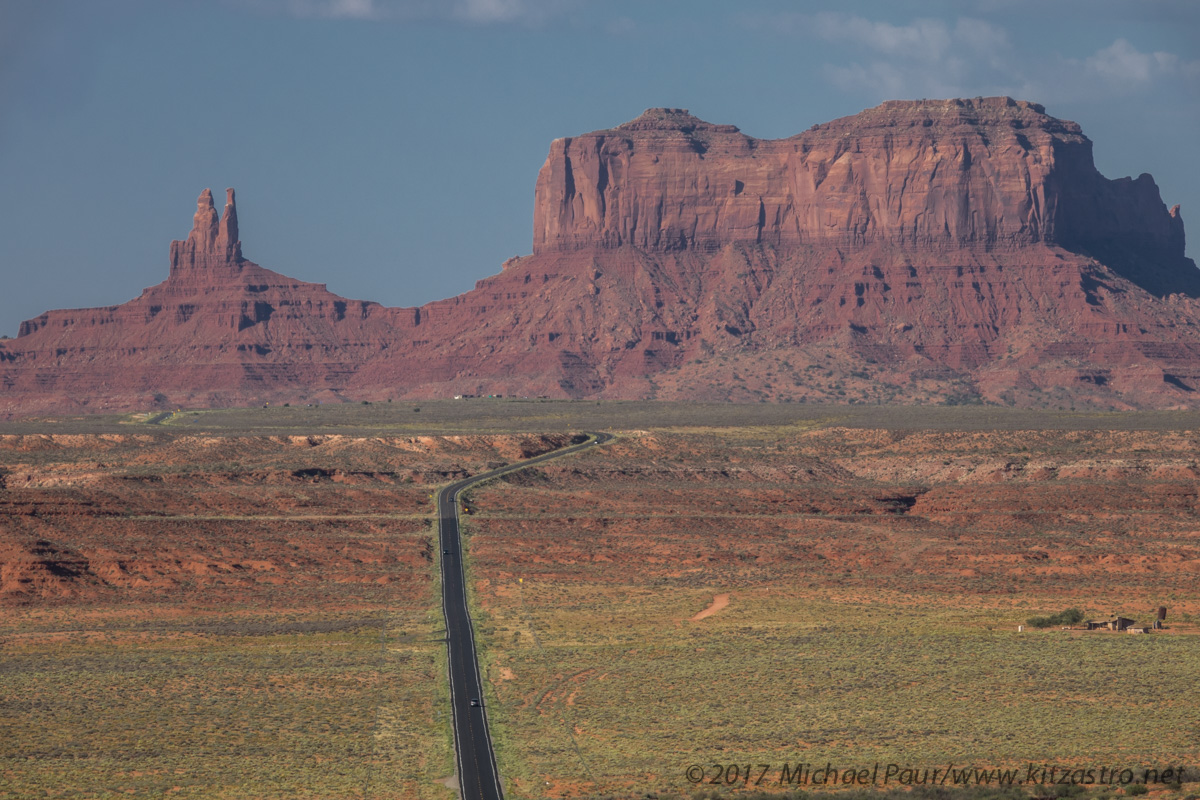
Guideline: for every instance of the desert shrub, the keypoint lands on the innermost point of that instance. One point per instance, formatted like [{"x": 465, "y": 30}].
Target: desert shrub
[
  {"x": 1071, "y": 616},
  {"x": 1137, "y": 788},
  {"x": 1068, "y": 617}
]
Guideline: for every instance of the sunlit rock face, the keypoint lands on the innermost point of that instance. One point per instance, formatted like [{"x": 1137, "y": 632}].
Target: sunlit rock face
[{"x": 920, "y": 251}]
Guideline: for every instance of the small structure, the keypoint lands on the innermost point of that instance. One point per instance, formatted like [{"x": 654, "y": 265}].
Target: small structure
[{"x": 1117, "y": 623}]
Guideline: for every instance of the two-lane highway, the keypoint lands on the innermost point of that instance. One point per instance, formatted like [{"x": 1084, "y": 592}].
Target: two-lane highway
[{"x": 478, "y": 778}]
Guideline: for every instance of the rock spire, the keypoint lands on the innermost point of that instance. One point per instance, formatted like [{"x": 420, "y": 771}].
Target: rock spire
[{"x": 213, "y": 242}]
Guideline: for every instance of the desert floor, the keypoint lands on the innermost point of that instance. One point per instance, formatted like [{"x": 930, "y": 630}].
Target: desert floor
[{"x": 244, "y": 603}]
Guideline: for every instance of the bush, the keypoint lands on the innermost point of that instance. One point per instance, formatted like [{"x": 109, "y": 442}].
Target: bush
[
  {"x": 1137, "y": 788},
  {"x": 1068, "y": 617}
]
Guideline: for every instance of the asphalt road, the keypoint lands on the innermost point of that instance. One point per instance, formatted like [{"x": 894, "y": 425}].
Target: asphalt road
[{"x": 478, "y": 778}]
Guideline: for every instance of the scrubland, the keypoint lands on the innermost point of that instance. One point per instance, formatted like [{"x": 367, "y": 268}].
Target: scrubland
[
  {"x": 875, "y": 582},
  {"x": 200, "y": 608},
  {"x": 216, "y": 615}
]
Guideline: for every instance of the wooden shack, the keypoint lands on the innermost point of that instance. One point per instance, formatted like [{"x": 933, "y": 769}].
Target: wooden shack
[{"x": 1115, "y": 624}]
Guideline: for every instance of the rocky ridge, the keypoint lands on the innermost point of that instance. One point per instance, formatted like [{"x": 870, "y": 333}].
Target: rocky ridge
[{"x": 920, "y": 251}]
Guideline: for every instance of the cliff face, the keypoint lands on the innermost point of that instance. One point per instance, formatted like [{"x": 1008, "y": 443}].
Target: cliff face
[
  {"x": 986, "y": 173},
  {"x": 927, "y": 251}
]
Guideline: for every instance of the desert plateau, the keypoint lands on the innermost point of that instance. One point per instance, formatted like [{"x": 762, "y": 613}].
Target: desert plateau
[{"x": 245, "y": 603}]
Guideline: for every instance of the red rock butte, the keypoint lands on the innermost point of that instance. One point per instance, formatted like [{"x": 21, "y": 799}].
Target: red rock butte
[
  {"x": 987, "y": 173},
  {"x": 920, "y": 251}
]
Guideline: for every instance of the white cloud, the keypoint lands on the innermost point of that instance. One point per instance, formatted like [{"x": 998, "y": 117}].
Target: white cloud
[
  {"x": 966, "y": 56},
  {"x": 878, "y": 75},
  {"x": 923, "y": 39},
  {"x": 488, "y": 11},
  {"x": 1123, "y": 65},
  {"x": 923, "y": 58},
  {"x": 473, "y": 12},
  {"x": 353, "y": 9},
  {"x": 983, "y": 40},
  {"x": 1118, "y": 70}
]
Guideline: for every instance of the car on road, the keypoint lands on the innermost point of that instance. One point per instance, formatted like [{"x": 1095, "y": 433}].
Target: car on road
[{"x": 474, "y": 702}]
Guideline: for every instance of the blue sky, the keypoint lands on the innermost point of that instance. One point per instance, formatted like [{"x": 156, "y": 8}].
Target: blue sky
[{"x": 389, "y": 148}]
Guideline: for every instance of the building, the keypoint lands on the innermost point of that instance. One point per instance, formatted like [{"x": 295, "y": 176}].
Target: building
[{"x": 1117, "y": 623}]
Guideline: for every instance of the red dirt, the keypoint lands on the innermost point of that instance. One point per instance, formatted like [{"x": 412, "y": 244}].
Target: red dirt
[
  {"x": 296, "y": 521},
  {"x": 1098, "y": 517},
  {"x": 719, "y": 602}
]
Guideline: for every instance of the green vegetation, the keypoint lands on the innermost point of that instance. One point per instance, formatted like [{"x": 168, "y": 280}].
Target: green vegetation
[
  {"x": 613, "y": 690},
  {"x": 1067, "y": 617},
  {"x": 147, "y": 712}
]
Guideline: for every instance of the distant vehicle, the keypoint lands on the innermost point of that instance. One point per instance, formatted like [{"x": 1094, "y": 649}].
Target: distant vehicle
[
  {"x": 445, "y": 552},
  {"x": 475, "y": 702}
]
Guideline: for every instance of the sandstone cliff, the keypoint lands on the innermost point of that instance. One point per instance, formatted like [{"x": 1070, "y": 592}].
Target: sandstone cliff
[
  {"x": 986, "y": 173},
  {"x": 924, "y": 251}
]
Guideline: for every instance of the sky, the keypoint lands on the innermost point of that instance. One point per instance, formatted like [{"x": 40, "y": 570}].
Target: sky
[{"x": 389, "y": 148}]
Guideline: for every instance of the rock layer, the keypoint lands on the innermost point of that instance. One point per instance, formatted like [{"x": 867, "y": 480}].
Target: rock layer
[
  {"x": 926, "y": 251},
  {"x": 213, "y": 244},
  {"x": 982, "y": 173}
]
